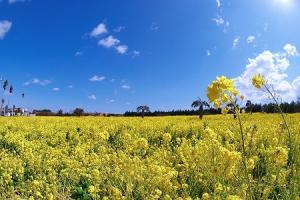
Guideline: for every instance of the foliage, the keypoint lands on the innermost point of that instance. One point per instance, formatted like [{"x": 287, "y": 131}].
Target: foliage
[{"x": 163, "y": 157}]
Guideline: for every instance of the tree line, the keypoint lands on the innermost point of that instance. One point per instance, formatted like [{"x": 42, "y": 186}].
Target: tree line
[{"x": 198, "y": 108}]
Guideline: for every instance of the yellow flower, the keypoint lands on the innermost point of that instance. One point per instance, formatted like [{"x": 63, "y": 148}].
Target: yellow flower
[
  {"x": 205, "y": 196},
  {"x": 221, "y": 91},
  {"x": 91, "y": 189},
  {"x": 258, "y": 81}
]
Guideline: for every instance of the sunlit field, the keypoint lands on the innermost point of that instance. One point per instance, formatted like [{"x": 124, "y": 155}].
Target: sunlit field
[{"x": 147, "y": 158}]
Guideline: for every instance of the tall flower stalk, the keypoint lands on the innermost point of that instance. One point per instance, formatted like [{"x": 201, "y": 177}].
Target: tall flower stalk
[
  {"x": 221, "y": 92},
  {"x": 260, "y": 83}
]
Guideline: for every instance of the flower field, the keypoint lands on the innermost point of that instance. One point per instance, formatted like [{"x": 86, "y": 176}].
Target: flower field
[{"x": 150, "y": 158}]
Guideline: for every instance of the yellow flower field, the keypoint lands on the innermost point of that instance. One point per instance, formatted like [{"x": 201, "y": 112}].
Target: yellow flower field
[{"x": 150, "y": 158}]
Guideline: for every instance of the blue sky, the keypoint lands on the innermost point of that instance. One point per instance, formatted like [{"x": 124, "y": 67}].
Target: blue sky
[{"x": 111, "y": 56}]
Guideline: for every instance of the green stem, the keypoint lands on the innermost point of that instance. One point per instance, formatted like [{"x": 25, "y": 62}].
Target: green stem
[
  {"x": 290, "y": 142},
  {"x": 237, "y": 112}
]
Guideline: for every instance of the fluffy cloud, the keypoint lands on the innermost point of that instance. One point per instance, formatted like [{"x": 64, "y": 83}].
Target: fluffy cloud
[
  {"x": 37, "y": 81},
  {"x": 99, "y": 30},
  {"x": 122, "y": 49},
  {"x": 290, "y": 50},
  {"x": 5, "y": 26},
  {"x": 250, "y": 39},
  {"x": 273, "y": 67},
  {"x": 96, "y": 78},
  {"x": 92, "y": 97},
  {"x": 109, "y": 42}
]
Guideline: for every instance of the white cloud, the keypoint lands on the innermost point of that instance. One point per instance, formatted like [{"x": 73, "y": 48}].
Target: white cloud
[
  {"x": 235, "y": 43},
  {"x": 99, "y": 30},
  {"x": 220, "y": 21},
  {"x": 218, "y": 3},
  {"x": 273, "y": 66},
  {"x": 122, "y": 49},
  {"x": 70, "y": 86},
  {"x": 109, "y": 42},
  {"x": 290, "y": 50},
  {"x": 125, "y": 86},
  {"x": 56, "y": 89},
  {"x": 38, "y": 82},
  {"x": 5, "y": 26},
  {"x": 250, "y": 39},
  {"x": 15, "y": 1},
  {"x": 136, "y": 53},
  {"x": 111, "y": 101},
  {"x": 97, "y": 78},
  {"x": 92, "y": 97}
]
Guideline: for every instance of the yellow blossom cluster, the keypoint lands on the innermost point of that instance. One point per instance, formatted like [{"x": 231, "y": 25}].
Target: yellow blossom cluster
[
  {"x": 258, "y": 81},
  {"x": 221, "y": 91}
]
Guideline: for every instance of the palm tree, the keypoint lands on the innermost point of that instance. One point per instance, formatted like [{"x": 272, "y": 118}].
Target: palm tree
[
  {"x": 10, "y": 91},
  {"x": 143, "y": 110},
  {"x": 4, "y": 86},
  {"x": 200, "y": 105},
  {"x": 249, "y": 107}
]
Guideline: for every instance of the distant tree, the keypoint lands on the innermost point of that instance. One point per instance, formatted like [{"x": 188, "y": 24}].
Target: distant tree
[
  {"x": 143, "y": 110},
  {"x": 200, "y": 105},
  {"x": 231, "y": 108},
  {"x": 10, "y": 91},
  {"x": 43, "y": 112},
  {"x": 249, "y": 107},
  {"x": 78, "y": 112},
  {"x": 60, "y": 112},
  {"x": 4, "y": 87}
]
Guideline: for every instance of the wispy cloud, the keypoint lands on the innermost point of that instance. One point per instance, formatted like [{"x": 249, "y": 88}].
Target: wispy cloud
[
  {"x": 208, "y": 53},
  {"x": 136, "y": 53},
  {"x": 235, "y": 42},
  {"x": 154, "y": 26},
  {"x": 78, "y": 53},
  {"x": 119, "y": 29},
  {"x": 218, "y": 3},
  {"x": 97, "y": 78},
  {"x": 5, "y": 26},
  {"x": 15, "y": 1},
  {"x": 109, "y": 42},
  {"x": 37, "y": 81},
  {"x": 56, "y": 89},
  {"x": 92, "y": 97},
  {"x": 99, "y": 30},
  {"x": 125, "y": 86}
]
